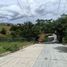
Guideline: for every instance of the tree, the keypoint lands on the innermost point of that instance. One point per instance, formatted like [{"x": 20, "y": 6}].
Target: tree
[
  {"x": 26, "y": 30},
  {"x": 61, "y": 27},
  {"x": 3, "y": 31}
]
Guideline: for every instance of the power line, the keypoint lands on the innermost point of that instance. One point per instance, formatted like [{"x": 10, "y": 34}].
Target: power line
[
  {"x": 18, "y": 2},
  {"x": 46, "y": 12},
  {"x": 54, "y": 13},
  {"x": 58, "y": 8},
  {"x": 59, "y": 3}
]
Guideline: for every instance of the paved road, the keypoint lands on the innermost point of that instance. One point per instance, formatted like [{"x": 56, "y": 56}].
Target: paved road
[
  {"x": 53, "y": 55},
  {"x": 23, "y": 58},
  {"x": 38, "y": 55}
]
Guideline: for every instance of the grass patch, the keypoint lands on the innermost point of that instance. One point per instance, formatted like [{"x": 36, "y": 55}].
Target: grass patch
[{"x": 13, "y": 46}]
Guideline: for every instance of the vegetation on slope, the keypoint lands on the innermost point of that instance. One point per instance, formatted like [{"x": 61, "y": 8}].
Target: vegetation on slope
[{"x": 29, "y": 31}]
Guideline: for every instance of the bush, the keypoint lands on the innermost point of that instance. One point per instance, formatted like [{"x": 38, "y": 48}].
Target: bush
[
  {"x": 3, "y": 31},
  {"x": 65, "y": 36},
  {"x": 2, "y": 50},
  {"x": 65, "y": 39},
  {"x": 11, "y": 48}
]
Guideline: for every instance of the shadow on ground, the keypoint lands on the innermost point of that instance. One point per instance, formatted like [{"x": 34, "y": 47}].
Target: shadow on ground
[{"x": 61, "y": 49}]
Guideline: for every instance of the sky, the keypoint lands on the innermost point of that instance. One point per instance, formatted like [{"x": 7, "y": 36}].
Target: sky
[{"x": 18, "y": 11}]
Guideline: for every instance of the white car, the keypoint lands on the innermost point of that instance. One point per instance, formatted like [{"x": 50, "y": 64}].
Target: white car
[{"x": 52, "y": 38}]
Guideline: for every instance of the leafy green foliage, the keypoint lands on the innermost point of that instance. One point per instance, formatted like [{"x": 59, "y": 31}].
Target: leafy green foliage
[
  {"x": 3, "y": 31},
  {"x": 13, "y": 46},
  {"x": 30, "y": 31}
]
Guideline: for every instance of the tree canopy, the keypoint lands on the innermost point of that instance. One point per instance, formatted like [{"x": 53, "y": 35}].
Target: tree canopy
[{"x": 30, "y": 30}]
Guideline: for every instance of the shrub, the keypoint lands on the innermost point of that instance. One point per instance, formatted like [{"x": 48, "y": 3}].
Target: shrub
[
  {"x": 2, "y": 50},
  {"x": 3, "y": 31},
  {"x": 65, "y": 39},
  {"x": 11, "y": 48}
]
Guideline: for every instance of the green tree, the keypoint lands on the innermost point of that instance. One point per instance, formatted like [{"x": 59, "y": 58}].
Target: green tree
[
  {"x": 61, "y": 26},
  {"x": 3, "y": 31}
]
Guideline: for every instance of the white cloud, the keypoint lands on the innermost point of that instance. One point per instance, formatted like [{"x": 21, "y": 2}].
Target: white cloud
[{"x": 32, "y": 8}]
